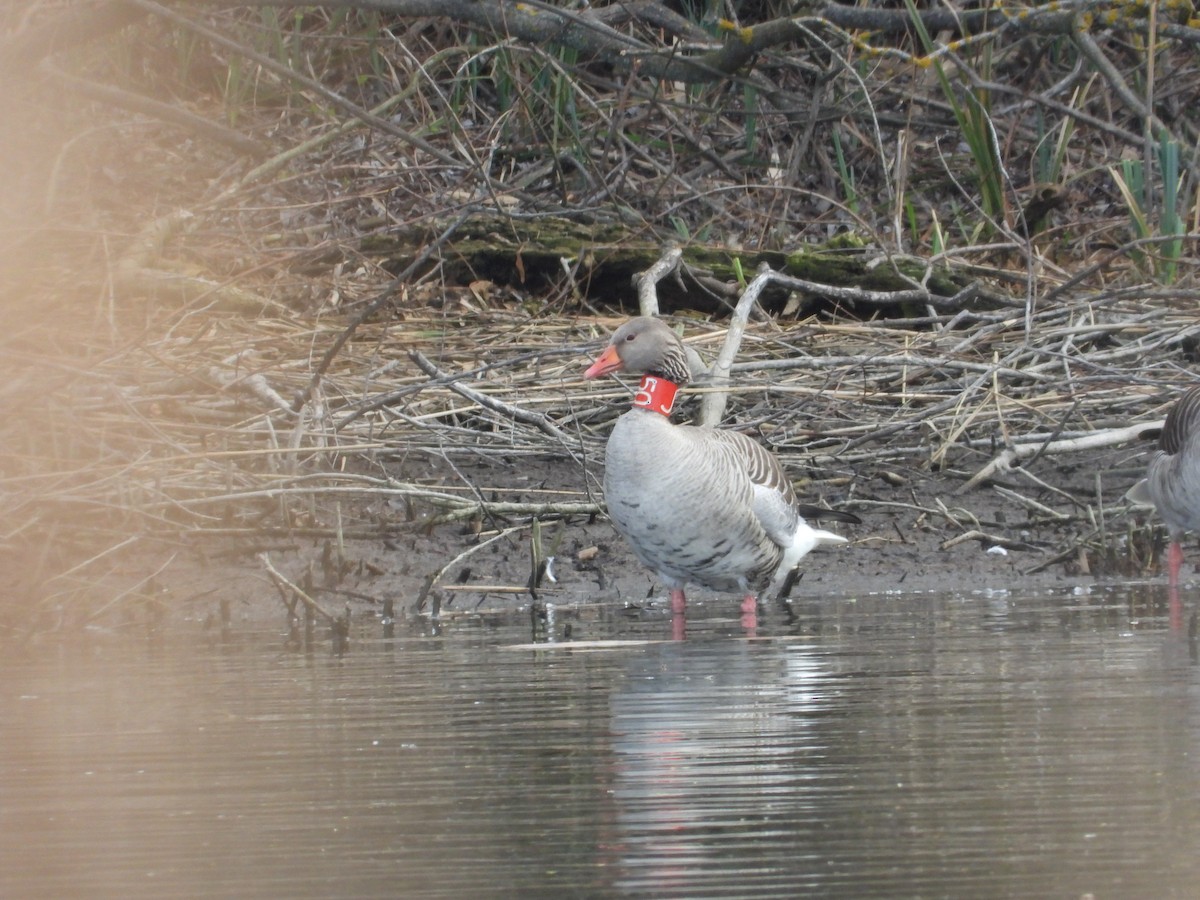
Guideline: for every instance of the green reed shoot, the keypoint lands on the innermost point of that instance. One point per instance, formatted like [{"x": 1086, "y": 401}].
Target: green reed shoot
[
  {"x": 972, "y": 112},
  {"x": 845, "y": 174},
  {"x": 1153, "y": 207}
]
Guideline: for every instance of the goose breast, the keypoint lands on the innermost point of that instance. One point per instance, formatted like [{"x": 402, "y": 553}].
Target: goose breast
[{"x": 685, "y": 505}]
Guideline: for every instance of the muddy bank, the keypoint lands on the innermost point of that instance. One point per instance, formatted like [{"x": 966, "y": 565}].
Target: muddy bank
[
  {"x": 918, "y": 534},
  {"x": 417, "y": 500}
]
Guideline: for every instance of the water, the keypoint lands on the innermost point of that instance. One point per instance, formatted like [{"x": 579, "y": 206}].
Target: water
[{"x": 889, "y": 746}]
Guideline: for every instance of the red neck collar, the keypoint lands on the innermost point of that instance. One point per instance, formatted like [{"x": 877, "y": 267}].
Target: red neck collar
[{"x": 656, "y": 394}]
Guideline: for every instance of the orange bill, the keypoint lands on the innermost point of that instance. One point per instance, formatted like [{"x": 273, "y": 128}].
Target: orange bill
[{"x": 606, "y": 362}]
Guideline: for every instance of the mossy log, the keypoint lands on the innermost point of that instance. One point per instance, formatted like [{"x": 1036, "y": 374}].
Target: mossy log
[{"x": 602, "y": 260}]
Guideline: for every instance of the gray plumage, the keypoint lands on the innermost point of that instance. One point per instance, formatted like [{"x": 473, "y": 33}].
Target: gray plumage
[
  {"x": 1172, "y": 480},
  {"x": 698, "y": 505},
  {"x": 1173, "y": 474}
]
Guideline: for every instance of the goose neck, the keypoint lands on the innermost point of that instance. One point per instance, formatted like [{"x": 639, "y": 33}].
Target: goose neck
[{"x": 656, "y": 394}]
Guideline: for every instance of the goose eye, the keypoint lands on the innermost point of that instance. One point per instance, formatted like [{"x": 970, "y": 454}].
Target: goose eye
[{"x": 630, "y": 337}]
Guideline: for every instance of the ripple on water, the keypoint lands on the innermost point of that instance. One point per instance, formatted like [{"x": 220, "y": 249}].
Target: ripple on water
[{"x": 892, "y": 745}]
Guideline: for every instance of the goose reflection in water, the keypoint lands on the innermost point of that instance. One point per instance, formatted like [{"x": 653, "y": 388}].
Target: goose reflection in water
[{"x": 711, "y": 760}]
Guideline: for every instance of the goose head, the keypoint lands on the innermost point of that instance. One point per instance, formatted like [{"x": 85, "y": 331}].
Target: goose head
[{"x": 644, "y": 346}]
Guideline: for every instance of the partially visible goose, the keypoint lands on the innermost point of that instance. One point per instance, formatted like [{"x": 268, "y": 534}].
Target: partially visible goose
[
  {"x": 697, "y": 505},
  {"x": 1172, "y": 481}
]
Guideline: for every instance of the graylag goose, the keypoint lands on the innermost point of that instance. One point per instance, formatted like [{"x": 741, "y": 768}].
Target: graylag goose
[
  {"x": 1172, "y": 481},
  {"x": 697, "y": 505}
]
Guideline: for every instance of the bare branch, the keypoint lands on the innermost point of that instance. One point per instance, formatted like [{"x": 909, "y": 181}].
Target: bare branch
[
  {"x": 1111, "y": 437},
  {"x": 647, "y": 282}
]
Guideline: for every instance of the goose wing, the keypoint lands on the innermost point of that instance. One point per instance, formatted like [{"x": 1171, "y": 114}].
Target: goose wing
[
  {"x": 775, "y": 502},
  {"x": 1182, "y": 425}
]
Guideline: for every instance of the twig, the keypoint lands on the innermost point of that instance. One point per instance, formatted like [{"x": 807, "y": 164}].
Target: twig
[
  {"x": 149, "y": 579},
  {"x": 1032, "y": 504},
  {"x": 176, "y": 115},
  {"x": 507, "y": 508},
  {"x": 712, "y": 408},
  {"x": 282, "y": 580},
  {"x": 1108, "y": 438},
  {"x": 253, "y": 383},
  {"x": 435, "y": 577},
  {"x": 373, "y": 307},
  {"x": 992, "y": 539},
  {"x": 538, "y": 420},
  {"x": 1088, "y": 47},
  {"x": 647, "y": 282},
  {"x": 353, "y": 109}
]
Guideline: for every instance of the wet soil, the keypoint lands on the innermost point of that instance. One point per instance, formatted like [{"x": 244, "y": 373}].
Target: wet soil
[{"x": 919, "y": 533}]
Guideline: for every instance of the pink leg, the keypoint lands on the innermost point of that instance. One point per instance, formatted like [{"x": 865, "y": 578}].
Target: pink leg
[
  {"x": 1174, "y": 561},
  {"x": 750, "y": 614},
  {"x": 678, "y": 619},
  {"x": 678, "y": 600},
  {"x": 1174, "y": 609}
]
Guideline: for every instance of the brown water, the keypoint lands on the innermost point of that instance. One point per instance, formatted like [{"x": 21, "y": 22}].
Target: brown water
[{"x": 893, "y": 746}]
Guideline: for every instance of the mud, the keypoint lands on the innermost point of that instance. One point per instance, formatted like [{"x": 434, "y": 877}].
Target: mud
[{"x": 918, "y": 534}]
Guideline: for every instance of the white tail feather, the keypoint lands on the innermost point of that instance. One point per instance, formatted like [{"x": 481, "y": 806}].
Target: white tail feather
[{"x": 804, "y": 540}]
